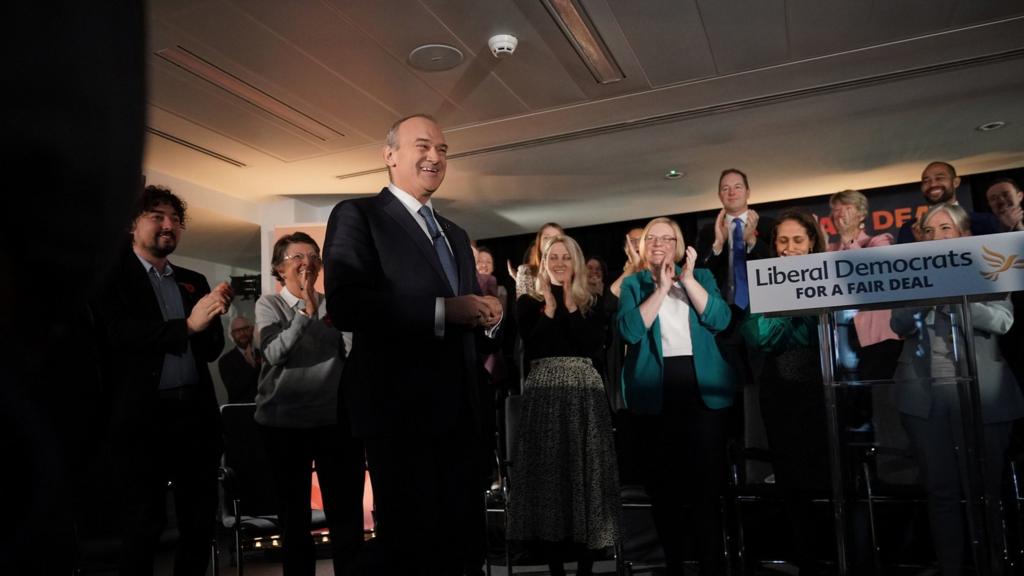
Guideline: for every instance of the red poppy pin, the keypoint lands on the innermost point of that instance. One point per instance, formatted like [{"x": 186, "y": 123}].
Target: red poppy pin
[{"x": 188, "y": 287}]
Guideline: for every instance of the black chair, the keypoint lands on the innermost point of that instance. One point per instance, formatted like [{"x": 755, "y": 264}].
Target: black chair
[
  {"x": 1013, "y": 517},
  {"x": 250, "y": 502},
  {"x": 742, "y": 492},
  {"x": 635, "y": 501},
  {"x": 513, "y": 406},
  {"x": 878, "y": 494}
]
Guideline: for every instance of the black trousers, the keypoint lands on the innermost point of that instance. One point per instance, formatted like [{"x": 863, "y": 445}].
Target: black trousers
[
  {"x": 795, "y": 423},
  {"x": 682, "y": 463},
  {"x": 340, "y": 468},
  {"x": 424, "y": 487},
  {"x": 175, "y": 448}
]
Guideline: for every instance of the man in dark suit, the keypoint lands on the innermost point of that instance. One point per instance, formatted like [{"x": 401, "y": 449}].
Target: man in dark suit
[
  {"x": 403, "y": 280},
  {"x": 938, "y": 186},
  {"x": 240, "y": 366},
  {"x": 164, "y": 328},
  {"x": 738, "y": 234},
  {"x": 719, "y": 244}
]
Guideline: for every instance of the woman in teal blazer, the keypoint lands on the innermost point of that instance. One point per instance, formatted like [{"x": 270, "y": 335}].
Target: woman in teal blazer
[{"x": 678, "y": 390}]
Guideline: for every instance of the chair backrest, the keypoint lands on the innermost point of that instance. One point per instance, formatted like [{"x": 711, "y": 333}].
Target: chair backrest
[
  {"x": 512, "y": 406},
  {"x": 246, "y": 456}
]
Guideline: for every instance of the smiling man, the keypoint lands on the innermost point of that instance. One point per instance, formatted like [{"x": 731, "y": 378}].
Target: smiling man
[
  {"x": 939, "y": 183},
  {"x": 164, "y": 328},
  {"x": 403, "y": 280}
]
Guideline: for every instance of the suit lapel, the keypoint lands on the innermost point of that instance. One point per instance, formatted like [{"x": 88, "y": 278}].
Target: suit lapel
[{"x": 394, "y": 208}]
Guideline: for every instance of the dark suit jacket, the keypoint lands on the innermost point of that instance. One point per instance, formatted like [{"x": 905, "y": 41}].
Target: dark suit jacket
[
  {"x": 240, "y": 378},
  {"x": 139, "y": 339},
  {"x": 719, "y": 264},
  {"x": 981, "y": 223},
  {"x": 382, "y": 278}
]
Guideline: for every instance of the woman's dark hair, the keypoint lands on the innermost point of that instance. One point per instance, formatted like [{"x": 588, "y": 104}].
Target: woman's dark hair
[
  {"x": 536, "y": 254},
  {"x": 153, "y": 196},
  {"x": 281, "y": 246},
  {"x": 810, "y": 224}
]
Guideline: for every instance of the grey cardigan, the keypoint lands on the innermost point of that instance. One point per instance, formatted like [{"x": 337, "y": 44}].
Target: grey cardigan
[
  {"x": 302, "y": 362},
  {"x": 1001, "y": 398}
]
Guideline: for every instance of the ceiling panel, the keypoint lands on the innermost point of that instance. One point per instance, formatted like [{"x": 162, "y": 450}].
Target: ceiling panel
[
  {"x": 572, "y": 64},
  {"x": 668, "y": 39},
  {"x": 535, "y": 56},
  {"x": 827, "y": 26},
  {"x": 907, "y": 18},
  {"x": 471, "y": 93},
  {"x": 971, "y": 11},
  {"x": 745, "y": 34},
  {"x": 232, "y": 40},
  {"x": 180, "y": 92}
]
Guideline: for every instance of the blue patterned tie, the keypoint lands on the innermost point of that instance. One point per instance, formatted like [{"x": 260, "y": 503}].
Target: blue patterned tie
[
  {"x": 739, "y": 265},
  {"x": 444, "y": 254}
]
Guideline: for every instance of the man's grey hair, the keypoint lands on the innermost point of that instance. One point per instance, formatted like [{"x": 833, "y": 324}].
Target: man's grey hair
[{"x": 391, "y": 139}]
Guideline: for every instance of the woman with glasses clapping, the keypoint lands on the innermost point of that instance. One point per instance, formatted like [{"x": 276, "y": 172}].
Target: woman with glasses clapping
[
  {"x": 678, "y": 389},
  {"x": 297, "y": 410}
]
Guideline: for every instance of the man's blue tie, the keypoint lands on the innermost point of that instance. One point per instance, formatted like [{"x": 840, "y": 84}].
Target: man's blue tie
[
  {"x": 739, "y": 265},
  {"x": 444, "y": 254}
]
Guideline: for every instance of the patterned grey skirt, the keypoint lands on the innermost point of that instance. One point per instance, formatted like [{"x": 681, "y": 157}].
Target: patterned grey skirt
[{"x": 565, "y": 481}]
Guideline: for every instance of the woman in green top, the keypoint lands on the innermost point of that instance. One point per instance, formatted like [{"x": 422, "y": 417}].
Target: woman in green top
[
  {"x": 792, "y": 400},
  {"x": 678, "y": 389}
]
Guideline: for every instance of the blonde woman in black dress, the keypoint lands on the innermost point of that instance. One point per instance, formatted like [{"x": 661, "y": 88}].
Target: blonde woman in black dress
[{"x": 565, "y": 491}]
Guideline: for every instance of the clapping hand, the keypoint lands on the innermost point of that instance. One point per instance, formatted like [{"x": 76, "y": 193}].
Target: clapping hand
[
  {"x": 544, "y": 286},
  {"x": 666, "y": 276},
  {"x": 689, "y": 262},
  {"x": 632, "y": 255},
  {"x": 750, "y": 229},
  {"x": 209, "y": 307},
  {"x": 309, "y": 289},
  {"x": 1013, "y": 219},
  {"x": 721, "y": 231}
]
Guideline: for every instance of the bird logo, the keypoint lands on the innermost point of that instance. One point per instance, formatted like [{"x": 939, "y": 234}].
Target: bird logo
[{"x": 999, "y": 262}]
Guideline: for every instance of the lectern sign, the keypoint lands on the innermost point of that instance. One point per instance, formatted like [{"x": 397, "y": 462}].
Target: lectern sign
[{"x": 918, "y": 271}]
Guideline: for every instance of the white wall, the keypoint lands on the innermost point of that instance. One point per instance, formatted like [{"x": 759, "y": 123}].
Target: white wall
[{"x": 215, "y": 274}]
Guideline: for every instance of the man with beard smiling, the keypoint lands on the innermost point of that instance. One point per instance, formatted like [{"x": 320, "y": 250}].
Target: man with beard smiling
[
  {"x": 938, "y": 186},
  {"x": 163, "y": 325}
]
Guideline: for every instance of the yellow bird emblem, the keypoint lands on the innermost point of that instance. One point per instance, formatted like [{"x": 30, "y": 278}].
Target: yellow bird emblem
[{"x": 999, "y": 262}]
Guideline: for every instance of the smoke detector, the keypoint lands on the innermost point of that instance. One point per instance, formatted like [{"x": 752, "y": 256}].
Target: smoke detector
[{"x": 502, "y": 45}]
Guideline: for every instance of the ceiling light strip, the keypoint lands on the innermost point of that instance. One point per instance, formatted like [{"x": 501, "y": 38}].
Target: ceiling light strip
[
  {"x": 728, "y": 106},
  {"x": 585, "y": 39},
  {"x": 196, "y": 147},
  {"x": 237, "y": 87}
]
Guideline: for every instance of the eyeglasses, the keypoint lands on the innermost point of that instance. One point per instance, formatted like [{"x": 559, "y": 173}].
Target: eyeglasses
[
  {"x": 312, "y": 258},
  {"x": 661, "y": 239}
]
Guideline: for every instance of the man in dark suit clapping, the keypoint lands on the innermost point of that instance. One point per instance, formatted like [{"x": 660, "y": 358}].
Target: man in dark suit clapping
[
  {"x": 403, "y": 280},
  {"x": 164, "y": 328}
]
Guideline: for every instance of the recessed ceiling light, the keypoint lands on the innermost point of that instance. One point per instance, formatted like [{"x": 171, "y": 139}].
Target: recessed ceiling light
[
  {"x": 435, "y": 57},
  {"x": 990, "y": 126},
  {"x": 674, "y": 174}
]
